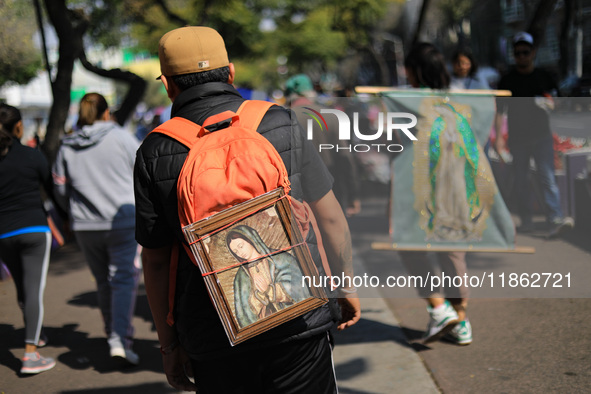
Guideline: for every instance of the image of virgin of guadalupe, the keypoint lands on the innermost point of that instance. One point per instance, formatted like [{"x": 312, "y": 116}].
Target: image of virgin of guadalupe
[
  {"x": 265, "y": 285},
  {"x": 452, "y": 171},
  {"x": 451, "y": 177}
]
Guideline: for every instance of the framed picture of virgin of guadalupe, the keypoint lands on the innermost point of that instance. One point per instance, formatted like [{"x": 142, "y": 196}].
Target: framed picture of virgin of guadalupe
[{"x": 256, "y": 266}]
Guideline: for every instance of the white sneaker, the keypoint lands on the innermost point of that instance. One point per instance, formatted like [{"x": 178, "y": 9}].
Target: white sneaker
[
  {"x": 442, "y": 320},
  {"x": 560, "y": 226},
  {"x": 461, "y": 334},
  {"x": 126, "y": 354}
]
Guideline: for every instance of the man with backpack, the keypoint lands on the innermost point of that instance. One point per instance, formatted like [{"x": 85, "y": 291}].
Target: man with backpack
[{"x": 296, "y": 356}]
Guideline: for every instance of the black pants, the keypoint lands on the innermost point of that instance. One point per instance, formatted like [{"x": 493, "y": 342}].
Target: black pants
[
  {"x": 27, "y": 259},
  {"x": 298, "y": 367}
]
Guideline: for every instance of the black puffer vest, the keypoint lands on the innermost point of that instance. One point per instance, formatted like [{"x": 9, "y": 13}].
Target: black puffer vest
[{"x": 197, "y": 322}]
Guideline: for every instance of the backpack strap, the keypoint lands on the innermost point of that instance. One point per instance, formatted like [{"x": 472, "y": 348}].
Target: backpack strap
[
  {"x": 181, "y": 129},
  {"x": 185, "y": 132},
  {"x": 226, "y": 115},
  {"x": 251, "y": 112},
  {"x": 305, "y": 219}
]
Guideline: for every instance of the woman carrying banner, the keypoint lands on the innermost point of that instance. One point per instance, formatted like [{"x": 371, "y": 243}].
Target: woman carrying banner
[{"x": 425, "y": 68}]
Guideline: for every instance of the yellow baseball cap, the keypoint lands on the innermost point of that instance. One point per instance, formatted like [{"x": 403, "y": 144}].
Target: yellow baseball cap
[{"x": 191, "y": 49}]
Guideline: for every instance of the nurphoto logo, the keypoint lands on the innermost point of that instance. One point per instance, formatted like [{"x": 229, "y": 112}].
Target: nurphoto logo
[{"x": 387, "y": 123}]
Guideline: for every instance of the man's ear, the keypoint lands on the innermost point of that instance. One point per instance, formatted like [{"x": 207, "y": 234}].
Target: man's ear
[
  {"x": 232, "y": 73},
  {"x": 171, "y": 89},
  {"x": 106, "y": 115}
]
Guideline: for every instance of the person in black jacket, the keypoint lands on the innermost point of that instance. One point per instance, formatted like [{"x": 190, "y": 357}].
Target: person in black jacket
[
  {"x": 530, "y": 135},
  {"x": 293, "y": 357},
  {"x": 25, "y": 237}
]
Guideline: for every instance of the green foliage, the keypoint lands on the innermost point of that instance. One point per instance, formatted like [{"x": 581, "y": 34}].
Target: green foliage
[
  {"x": 239, "y": 26},
  {"x": 19, "y": 59},
  {"x": 150, "y": 23},
  {"x": 311, "y": 40},
  {"x": 454, "y": 11},
  {"x": 314, "y": 35},
  {"x": 109, "y": 23},
  {"x": 130, "y": 23},
  {"x": 357, "y": 19},
  {"x": 155, "y": 95},
  {"x": 260, "y": 73}
]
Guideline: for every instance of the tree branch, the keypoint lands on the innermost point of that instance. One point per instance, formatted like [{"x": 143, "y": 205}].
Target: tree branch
[
  {"x": 171, "y": 15},
  {"x": 43, "y": 39},
  {"x": 137, "y": 87},
  {"x": 70, "y": 26},
  {"x": 205, "y": 14},
  {"x": 537, "y": 27},
  {"x": 421, "y": 21}
]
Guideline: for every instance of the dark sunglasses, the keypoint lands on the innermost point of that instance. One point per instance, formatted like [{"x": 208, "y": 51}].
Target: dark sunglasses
[{"x": 521, "y": 53}]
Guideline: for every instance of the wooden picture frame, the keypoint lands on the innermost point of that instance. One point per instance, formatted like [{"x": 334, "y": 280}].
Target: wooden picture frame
[{"x": 254, "y": 260}]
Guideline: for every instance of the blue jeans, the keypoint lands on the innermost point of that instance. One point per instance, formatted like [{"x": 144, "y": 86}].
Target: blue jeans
[
  {"x": 543, "y": 153},
  {"x": 113, "y": 259}
]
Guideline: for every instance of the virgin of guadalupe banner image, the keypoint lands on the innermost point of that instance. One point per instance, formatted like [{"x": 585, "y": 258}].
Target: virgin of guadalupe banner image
[{"x": 443, "y": 190}]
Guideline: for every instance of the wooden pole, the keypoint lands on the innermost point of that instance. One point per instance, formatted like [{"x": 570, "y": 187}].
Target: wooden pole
[
  {"x": 438, "y": 248},
  {"x": 476, "y": 92}
]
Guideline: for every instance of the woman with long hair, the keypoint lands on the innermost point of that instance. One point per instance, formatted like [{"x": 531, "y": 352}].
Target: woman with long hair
[
  {"x": 464, "y": 71},
  {"x": 425, "y": 67},
  {"x": 25, "y": 237},
  {"x": 93, "y": 181}
]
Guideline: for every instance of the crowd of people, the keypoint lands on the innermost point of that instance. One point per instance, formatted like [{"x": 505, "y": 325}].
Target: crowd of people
[
  {"x": 91, "y": 185},
  {"x": 129, "y": 208}
]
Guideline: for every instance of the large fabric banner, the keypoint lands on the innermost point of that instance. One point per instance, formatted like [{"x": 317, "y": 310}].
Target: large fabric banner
[{"x": 443, "y": 192}]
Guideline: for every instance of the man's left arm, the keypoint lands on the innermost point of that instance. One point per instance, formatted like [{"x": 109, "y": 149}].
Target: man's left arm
[
  {"x": 333, "y": 226},
  {"x": 337, "y": 242}
]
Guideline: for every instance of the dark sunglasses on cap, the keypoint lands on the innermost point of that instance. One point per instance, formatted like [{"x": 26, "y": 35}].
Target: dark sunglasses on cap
[{"x": 522, "y": 53}]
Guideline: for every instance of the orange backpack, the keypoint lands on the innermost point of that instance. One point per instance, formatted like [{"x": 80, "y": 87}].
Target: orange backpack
[{"x": 226, "y": 167}]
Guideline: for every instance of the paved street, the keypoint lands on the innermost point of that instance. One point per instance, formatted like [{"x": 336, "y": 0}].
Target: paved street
[
  {"x": 573, "y": 124},
  {"x": 371, "y": 357},
  {"x": 521, "y": 345}
]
